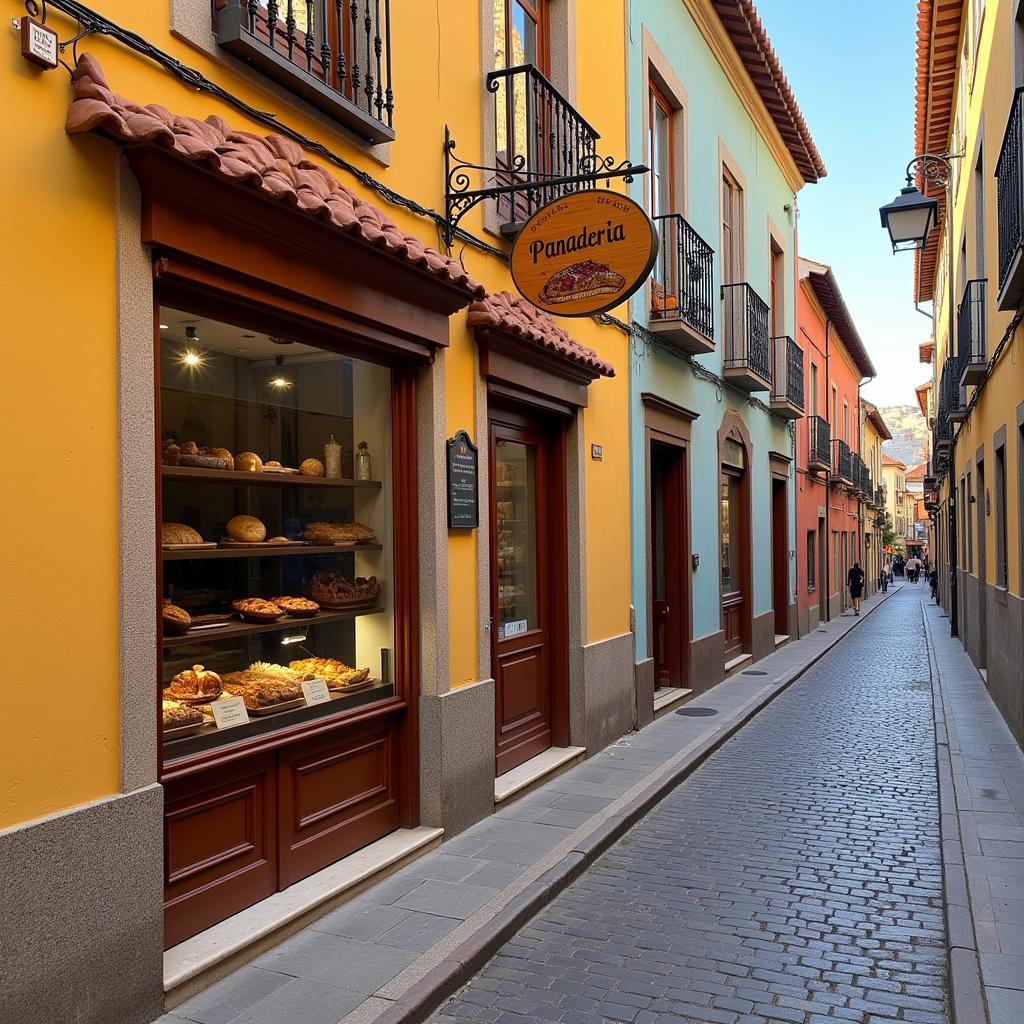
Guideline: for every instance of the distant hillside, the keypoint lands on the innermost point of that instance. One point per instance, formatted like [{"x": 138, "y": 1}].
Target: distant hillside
[{"x": 909, "y": 433}]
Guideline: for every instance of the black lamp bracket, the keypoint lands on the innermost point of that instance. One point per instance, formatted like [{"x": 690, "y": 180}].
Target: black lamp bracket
[{"x": 933, "y": 168}]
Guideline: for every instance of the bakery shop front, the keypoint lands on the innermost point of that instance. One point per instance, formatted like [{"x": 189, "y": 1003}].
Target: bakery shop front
[{"x": 292, "y": 326}]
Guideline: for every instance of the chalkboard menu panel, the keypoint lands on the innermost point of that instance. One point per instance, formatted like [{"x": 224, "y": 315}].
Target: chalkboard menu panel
[{"x": 463, "y": 483}]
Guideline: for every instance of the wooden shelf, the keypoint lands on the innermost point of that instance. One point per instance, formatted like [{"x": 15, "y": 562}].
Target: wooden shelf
[
  {"x": 271, "y": 551},
  {"x": 235, "y": 629},
  {"x": 237, "y": 478}
]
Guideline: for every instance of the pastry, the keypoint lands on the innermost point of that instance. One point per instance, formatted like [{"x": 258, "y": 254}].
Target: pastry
[
  {"x": 248, "y": 462},
  {"x": 189, "y": 448},
  {"x": 223, "y": 454},
  {"x": 246, "y": 528},
  {"x": 177, "y": 716},
  {"x": 280, "y": 540},
  {"x": 333, "y": 589},
  {"x": 195, "y": 683},
  {"x": 178, "y": 533},
  {"x": 255, "y": 609},
  {"x": 312, "y": 467},
  {"x": 580, "y": 281},
  {"x": 260, "y": 690},
  {"x": 170, "y": 453},
  {"x": 299, "y": 607},
  {"x": 273, "y": 671},
  {"x": 337, "y": 673},
  {"x": 272, "y": 464},
  {"x": 176, "y": 620},
  {"x": 339, "y": 533}
]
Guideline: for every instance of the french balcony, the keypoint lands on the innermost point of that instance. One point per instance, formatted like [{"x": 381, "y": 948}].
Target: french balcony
[
  {"x": 682, "y": 303},
  {"x": 747, "y": 356},
  {"x": 970, "y": 333},
  {"x": 880, "y": 496},
  {"x": 818, "y": 454},
  {"x": 842, "y": 463},
  {"x": 787, "y": 397},
  {"x": 539, "y": 135},
  {"x": 1010, "y": 206},
  {"x": 955, "y": 406},
  {"x": 335, "y": 55}
]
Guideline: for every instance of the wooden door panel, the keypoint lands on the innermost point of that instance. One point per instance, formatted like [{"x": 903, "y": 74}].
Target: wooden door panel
[
  {"x": 524, "y": 693},
  {"x": 220, "y": 845},
  {"x": 337, "y": 794}
]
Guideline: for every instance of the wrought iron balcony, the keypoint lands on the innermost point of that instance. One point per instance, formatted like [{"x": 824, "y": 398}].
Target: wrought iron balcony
[
  {"x": 880, "y": 496},
  {"x": 955, "y": 405},
  {"x": 538, "y": 135},
  {"x": 335, "y": 54},
  {"x": 842, "y": 462},
  {"x": 1010, "y": 201},
  {"x": 747, "y": 357},
  {"x": 682, "y": 310},
  {"x": 787, "y": 378},
  {"x": 818, "y": 454},
  {"x": 970, "y": 333}
]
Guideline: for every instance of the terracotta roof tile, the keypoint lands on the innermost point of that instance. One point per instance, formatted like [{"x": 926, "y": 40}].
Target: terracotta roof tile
[
  {"x": 741, "y": 21},
  {"x": 524, "y": 320},
  {"x": 272, "y": 164},
  {"x": 888, "y": 460}
]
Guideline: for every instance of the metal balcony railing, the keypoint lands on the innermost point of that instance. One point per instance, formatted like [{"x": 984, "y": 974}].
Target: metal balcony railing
[
  {"x": 818, "y": 453},
  {"x": 336, "y": 54},
  {"x": 842, "y": 461},
  {"x": 1010, "y": 193},
  {"x": 788, "y": 373},
  {"x": 747, "y": 336},
  {"x": 539, "y": 134},
  {"x": 683, "y": 287},
  {"x": 952, "y": 393},
  {"x": 879, "y": 496},
  {"x": 970, "y": 333}
]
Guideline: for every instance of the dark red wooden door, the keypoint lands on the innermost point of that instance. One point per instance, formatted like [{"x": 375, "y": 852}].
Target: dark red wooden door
[
  {"x": 521, "y": 557},
  {"x": 668, "y": 579}
]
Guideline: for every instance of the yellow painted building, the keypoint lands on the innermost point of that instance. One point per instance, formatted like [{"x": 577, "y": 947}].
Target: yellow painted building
[
  {"x": 970, "y": 103},
  {"x": 873, "y": 433},
  {"x": 162, "y": 273}
]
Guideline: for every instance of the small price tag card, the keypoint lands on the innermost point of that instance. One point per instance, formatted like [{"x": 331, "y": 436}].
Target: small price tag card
[
  {"x": 229, "y": 713},
  {"x": 316, "y": 692}
]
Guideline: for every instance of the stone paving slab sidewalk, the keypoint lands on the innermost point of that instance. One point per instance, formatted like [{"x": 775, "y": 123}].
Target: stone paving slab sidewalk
[
  {"x": 392, "y": 954},
  {"x": 981, "y": 780}
]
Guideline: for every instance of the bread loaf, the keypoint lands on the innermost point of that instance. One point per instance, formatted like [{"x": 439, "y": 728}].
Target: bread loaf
[
  {"x": 246, "y": 528},
  {"x": 312, "y": 467},
  {"x": 178, "y": 533},
  {"x": 248, "y": 462}
]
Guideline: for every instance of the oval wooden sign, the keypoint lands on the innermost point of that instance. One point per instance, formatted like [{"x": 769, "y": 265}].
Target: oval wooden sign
[{"x": 584, "y": 253}]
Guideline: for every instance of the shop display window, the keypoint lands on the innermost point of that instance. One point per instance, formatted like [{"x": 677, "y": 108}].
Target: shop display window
[{"x": 276, "y": 528}]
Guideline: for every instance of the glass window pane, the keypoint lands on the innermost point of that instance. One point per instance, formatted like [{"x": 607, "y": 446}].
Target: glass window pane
[
  {"x": 516, "y": 519},
  {"x": 725, "y": 526},
  {"x": 523, "y": 48},
  {"x": 262, "y": 466}
]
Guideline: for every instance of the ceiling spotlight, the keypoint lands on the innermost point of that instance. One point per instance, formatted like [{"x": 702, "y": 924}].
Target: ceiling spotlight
[
  {"x": 192, "y": 359},
  {"x": 279, "y": 382},
  {"x": 295, "y": 638},
  {"x": 164, "y": 327},
  {"x": 280, "y": 341}
]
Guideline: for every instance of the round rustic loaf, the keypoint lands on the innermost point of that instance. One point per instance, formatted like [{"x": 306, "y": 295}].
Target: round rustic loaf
[
  {"x": 178, "y": 533},
  {"x": 312, "y": 467},
  {"x": 248, "y": 462},
  {"x": 246, "y": 528}
]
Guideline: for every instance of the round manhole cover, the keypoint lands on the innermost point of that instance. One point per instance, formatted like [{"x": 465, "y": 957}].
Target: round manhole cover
[
  {"x": 697, "y": 712},
  {"x": 753, "y": 672}
]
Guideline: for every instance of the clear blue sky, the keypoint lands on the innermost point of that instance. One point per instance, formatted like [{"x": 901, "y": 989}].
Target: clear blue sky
[{"x": 851, "y": 68}]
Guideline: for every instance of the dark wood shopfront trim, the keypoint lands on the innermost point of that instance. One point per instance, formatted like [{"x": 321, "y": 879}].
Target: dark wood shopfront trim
[{"x": 733, "y": 428}]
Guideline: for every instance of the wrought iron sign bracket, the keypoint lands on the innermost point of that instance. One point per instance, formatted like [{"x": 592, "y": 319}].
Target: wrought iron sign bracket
[{"x": 459, "y": 198}]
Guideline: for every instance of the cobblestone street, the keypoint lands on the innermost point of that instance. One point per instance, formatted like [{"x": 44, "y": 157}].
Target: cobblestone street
[{"x": 795, "y": 876}]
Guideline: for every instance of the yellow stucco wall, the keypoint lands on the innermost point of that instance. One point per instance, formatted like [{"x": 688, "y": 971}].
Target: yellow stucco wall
[
  {"x": 59, "y": 728},
  {"x": 988, "y": 85}
]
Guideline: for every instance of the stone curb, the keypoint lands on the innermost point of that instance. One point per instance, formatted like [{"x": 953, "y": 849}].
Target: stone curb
[
  {"x": 966, "y": 994},
  {"x": 422, "y": 998}
]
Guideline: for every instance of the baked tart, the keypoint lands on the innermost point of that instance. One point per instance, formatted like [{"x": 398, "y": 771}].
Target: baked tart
[
  {"x": 339, "y": 533},
  {"x": 333, "y": 590},
  {"x": 176, "y": 620},
  {"x": 581, "y": 281},
  {"x": 178, "y": 716},
  {"x": 255, "y": 609},
  {"x": 297, "y": 607},
  {"x": 339, "y": 676}
]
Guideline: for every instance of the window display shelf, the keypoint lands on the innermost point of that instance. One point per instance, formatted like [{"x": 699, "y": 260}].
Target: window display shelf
[
  {"x": 271, "y": 551},
  {"x": 238, "y": 478},
  {"x": 235, "y": 629}
]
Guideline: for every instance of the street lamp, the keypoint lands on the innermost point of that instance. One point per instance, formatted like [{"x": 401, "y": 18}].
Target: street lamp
[{"x": 909, "y": 219}]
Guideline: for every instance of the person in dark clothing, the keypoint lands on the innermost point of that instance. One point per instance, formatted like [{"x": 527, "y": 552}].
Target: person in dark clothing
[
  {"x": 855, "y": 581},
  {"x": 933, "y": 579}
]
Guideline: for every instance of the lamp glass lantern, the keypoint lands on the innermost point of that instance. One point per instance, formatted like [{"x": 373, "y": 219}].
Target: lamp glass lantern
[{"x": 909, "y": 219}]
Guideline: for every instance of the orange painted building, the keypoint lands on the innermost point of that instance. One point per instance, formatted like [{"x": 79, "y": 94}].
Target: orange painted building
[{"x": 833, "y": 491}]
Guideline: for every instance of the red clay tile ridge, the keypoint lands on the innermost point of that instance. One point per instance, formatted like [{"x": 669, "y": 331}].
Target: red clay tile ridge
[
  {"x": 524, "y": 320},
  {"x": 272, "y": 164}
]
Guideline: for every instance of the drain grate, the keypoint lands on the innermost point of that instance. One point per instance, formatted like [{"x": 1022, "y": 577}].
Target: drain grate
[
  {"x": 697, "y": 712},
  {"x": 753, "y": 672}
]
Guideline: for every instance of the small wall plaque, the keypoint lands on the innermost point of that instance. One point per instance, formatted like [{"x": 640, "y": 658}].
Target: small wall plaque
[
  {"x": 463, "y": 483},
  {"x": 597, "y": 452},
  {"x": 38, "y": 43}
]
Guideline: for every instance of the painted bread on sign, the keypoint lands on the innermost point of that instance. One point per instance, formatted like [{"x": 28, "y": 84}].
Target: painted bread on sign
[{"x": 584, "y": 253}]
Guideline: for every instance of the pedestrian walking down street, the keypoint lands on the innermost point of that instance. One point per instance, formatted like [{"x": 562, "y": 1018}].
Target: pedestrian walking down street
[
  {"x": 855, "y": 581},
  {"x": 933, "y": 579},
  {"x": 913, "y": 568}
]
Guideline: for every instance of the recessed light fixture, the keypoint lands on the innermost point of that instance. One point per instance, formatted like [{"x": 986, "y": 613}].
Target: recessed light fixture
[
  {"x": 248, "y": 335},
  {"x": 280, "y": 341},
  {"x": 164, "y": 327},
  {"x": 296, "y": 639},
  {"x": 191, "y": 356}
]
